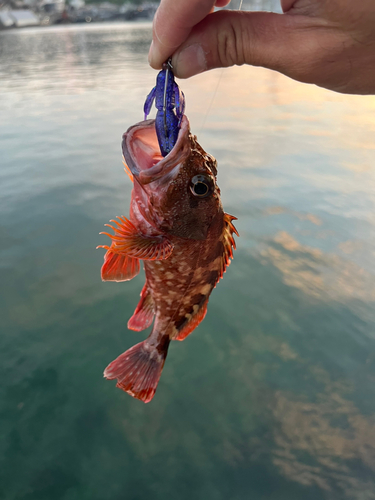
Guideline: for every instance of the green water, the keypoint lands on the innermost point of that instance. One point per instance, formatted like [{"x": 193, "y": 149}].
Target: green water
[{"x": 272, "y": 397}]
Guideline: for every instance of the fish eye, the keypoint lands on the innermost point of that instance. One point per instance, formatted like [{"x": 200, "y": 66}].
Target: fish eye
[{"x": 201, "y": 186}]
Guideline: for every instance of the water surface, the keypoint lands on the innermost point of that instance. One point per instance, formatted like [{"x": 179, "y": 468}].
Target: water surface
[{"x": 272, "y": 397}]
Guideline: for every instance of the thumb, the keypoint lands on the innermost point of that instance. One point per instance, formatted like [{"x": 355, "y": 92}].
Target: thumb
[{"x": 290, "y": 44}]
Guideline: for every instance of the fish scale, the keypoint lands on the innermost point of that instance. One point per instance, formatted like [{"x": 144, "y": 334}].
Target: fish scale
[{"x": 177, "y": 296}]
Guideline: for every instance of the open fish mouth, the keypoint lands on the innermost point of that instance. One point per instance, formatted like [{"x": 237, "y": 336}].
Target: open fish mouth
[{"x": 142, "y": 154}]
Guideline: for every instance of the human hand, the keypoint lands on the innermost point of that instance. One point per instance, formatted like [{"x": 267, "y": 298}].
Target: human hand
[{"x": 330, "y": 43}]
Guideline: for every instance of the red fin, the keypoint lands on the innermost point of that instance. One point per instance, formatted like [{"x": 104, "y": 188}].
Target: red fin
[
  {"x": 193, "y": 323},
  {"x": 128, "y": 171},
  {"x": 144, "y": 313},
  {"x": 119, "y": 267},
  {"x": 138, "y": 369},
  {"x": 228, "y": 242},
  {"x": 128, "y": 240}
]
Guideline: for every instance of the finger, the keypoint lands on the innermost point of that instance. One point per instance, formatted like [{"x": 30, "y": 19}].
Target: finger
[
  {"x": 276, "y": 41},
  {"x": 173, "y": 22}
]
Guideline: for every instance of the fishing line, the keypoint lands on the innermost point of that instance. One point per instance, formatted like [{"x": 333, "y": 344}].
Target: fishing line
[
  {"x": 216, "y": 89},
  {"x": 173, "y": 316},
  {"x": 169, "y": 66},
  {"x": 200, "y": 248}
]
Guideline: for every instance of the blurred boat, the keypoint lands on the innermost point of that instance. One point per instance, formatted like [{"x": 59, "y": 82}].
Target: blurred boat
[{"x": 18, "y": 18}]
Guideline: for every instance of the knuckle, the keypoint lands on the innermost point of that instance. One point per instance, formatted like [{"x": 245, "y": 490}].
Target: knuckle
[{"x": 230, "y": 47}]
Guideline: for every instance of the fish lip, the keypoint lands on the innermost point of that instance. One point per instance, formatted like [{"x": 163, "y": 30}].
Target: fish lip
[{"x": 135, "y": 149}]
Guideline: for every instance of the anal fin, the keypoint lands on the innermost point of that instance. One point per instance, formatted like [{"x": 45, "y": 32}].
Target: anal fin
[
  {"x": 192, "y": 323},
  {"x": 144, "y": 313}
]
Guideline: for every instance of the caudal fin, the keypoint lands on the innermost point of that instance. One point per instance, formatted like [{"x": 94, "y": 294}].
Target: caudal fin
[{"x": 138, "y": 369}]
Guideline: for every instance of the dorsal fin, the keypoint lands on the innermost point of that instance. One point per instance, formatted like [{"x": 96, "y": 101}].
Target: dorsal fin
[
  {"x": 128, "y": 240},
  {"x": 228, "y": 242}
]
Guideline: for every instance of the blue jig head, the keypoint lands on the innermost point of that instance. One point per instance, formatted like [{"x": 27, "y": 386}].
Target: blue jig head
[{"x": 170, "y": 103}]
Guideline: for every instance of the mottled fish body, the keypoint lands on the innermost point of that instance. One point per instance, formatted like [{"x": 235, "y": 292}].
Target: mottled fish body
[{"x": 177, "y": 226}]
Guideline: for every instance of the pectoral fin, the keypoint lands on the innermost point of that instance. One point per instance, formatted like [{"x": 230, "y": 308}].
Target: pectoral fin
[
  {"x": 119, "y": 267},
  {"x": 130, "y": 241},
  {"x": 128, "y": 171}
]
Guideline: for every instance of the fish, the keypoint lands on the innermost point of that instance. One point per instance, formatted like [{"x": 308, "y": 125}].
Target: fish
[{"x": 177, "y": 227}]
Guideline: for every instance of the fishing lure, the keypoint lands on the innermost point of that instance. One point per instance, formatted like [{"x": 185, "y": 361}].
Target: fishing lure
[{"x": 170, "y": 103}]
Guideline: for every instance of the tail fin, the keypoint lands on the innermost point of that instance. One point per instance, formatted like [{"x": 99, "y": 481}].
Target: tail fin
[{"x": 138, "y": 369}]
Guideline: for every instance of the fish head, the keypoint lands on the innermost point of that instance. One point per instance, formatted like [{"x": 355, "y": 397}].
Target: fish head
[{"x": 178, "y": 193}]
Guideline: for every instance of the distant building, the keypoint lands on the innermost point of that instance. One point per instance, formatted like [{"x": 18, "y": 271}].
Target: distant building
[{"x": 77, "y": 4}]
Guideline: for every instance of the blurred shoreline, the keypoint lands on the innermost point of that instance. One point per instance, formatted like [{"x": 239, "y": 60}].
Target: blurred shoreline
[
  {"x": 15, "y": 14},
  {"x": 30, "y": 13}
]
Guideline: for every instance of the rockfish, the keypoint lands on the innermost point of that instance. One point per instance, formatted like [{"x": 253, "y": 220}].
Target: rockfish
[{"x": 178, "y": 228}]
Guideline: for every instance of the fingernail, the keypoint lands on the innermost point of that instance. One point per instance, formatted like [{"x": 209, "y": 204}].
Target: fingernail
[
  {"x": 151, "y": 54},
  {"x": 155, "y": 59},
  {"x": 190, "y": 61}
]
